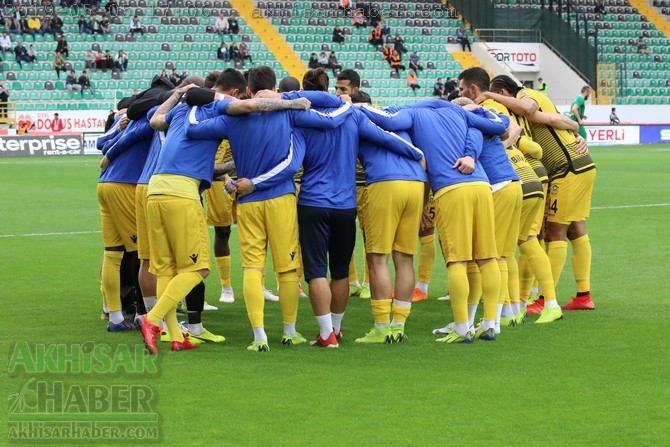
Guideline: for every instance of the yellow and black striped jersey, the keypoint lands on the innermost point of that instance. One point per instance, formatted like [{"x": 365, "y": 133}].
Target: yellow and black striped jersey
[
  {"x": 360, "y": 174},
  {"x": 530, "y": 149},
  {"x": 530, "y": 182},
  {"x": 298, "y": 175},
  {"x": 558, "y": 146}
]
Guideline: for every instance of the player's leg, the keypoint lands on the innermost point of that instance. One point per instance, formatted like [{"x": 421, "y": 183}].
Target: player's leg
[
  {"x": 147, "y": 281},
  {"x": 340, "y": 248},
  {"x": 361, "y": 199},
  {"x": 426, "y": 261},
  {"x": 220, "y": 216}
]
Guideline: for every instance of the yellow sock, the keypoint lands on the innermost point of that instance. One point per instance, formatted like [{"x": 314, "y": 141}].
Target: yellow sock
[
  {"x": 223, "y": 266},
  {"x": 381, "y": 310},
  {"x": 513, "y": 280},
  {"x": 173, "y": 326},
  {"x": 401, "y": 311},
  {"x": 581, "y": 263},
  {"x": 504, "y": 276},
  {"x": 459, "y": 288},
  {"x": 366, "y": 271},
  {"x": 111, "y": 279},
  {"x": 253, "y": 296},
  {"x": 176, "y": 290},
  {"x": 475, "y": 281},
  {"x": 538, "y": 261},
  {"x": 490, "y": 288},
  {"x": 526, "y": 277},
  {"x": 426, "y": 258},
  {"x": 288, "y": 296},
  {"x": 353, "y": 274},
  {"x": 557, "y": 251}
]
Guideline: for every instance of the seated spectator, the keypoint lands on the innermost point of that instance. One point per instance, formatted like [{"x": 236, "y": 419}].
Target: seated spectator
[
  {"x": 414, "y": 62},
  {"x": 600, "y": 7},
  {"x": 98, "y": 59},
  {"x": 338, "y": 35},
  {"x": 386, "y": 29},
  {"x": 438, "y": 88},
  {"x": 234, "y": 52},
  {"x": 107, "y": 61},
  {"x": 396, "y": 62},
  {"x": 323, "y": 60},
  {"x": 222, "y": 52},
  {"x": 57, "y": 25},
  {"x": 313, "y": 63},
  {"x": 221, "y": 26},
  {"x": 387, "y": 52},
  {"x": 62, "y": 47},
  {"x": 94, "y": 25},
  {"x": 359, "y": 19},
  {"x": 642, "y": 46},
  {"x": 34, "y": 26},
  {"x": 85, "y": 83},
  {"x": 21, "y": 53},
  {"x": 412, "y": 81},
  {"x": 175, "y": 78},
  {"x": 399, "y": 44},
  {"x": 71, "y": 83},
  {"x": 58, "y": 63},
  {"x": 32, "y": 54},
  {"x": 450, "y": 86},
  {"x": 164, "y": 75},
  {"x": 345, "y": 5},
  {"x": 89, "y": 60},
  {"x": 333, "y": 64},
  {"x": 83, "y": 26},
  {"x": 136, "y": 26},
  {"x": 105, "y": 26},
  {"x": 233, "y": 24},
  {"x": 47, "y": 26},
  {"x": 375, "y": 37},
  {"x": 121, "y": 61},
  {"x": 462, "y": 38},
  {"x": 244, "y": 52},
  {"x": 614, "y": 119},
  {"x": 12, "y": 25},
  {"x": 5, "y": 43}
]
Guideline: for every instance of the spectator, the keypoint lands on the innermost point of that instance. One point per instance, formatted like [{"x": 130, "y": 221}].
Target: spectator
[
  {"x": 23, "y": 128},
  {"x": 47, "y": 27},
  {"x": 32, "y": 54},
  {"x": 399, "y": 44},
  {"x": 542, "y": 87},
  {"x": 56, "y": 25},
  {"x": 107, "y": 61},
  {"x": 5, "y": 43},
  {"x": 453, "y": 95},
  {"x": 94, "y": 26},
  {"x": 83, "y": 26},
  {"x": 414, "y": 62},
  {"x": 34, "y": 26},
  {"x": 244, "y": 52},
  {"x": 89, "y": 60},
  {"x": 175, "y": 78},
  {"x": 58, "y": 63},
  {"x": 98, "y": 59},
  {"x": 112, "y": 8},
  {"x": 313, "y": 63},
  {"x": 375, "y": 37},
  {"x": 345, "y": 5},
  {"x": 222, "y": 52},
  {"x": 234, "y": 52},
  {"x": 14, "y": 26},
  {"x": 21, "y": 53},
  {"x": 71, "y": 83},
  {"x": 338, "y": 35},
  {"x": 62, "y": 47},
  {"x": 396, "y": 62},
  {"x": 387, "y": 52},
  {"x": 323, "y": 60},
  {"x": 642, "y": 46},
  {"x": 121, "y": 61},
  {"x": 23, "y": 21},
  {"x": 4, "y": 98},
  {"x": 333, "y": 64},
  {"x": 136, "y": 26},
  {"x": 386, "y": 29},
  {"x": 450, "y": 86},
  {"x": 462, "y": 38},
  {"x": 105, "y": 26},
  {"x": 57, "y": 124},
  {"x": 412, "y": 81},
  {"x": 614, "y": 119},
  {"x": 164, "y": 76},
  {"x": 438, "y": 88},
  {"x": 221, "y": 26},
  {"x": 233, "y": 24},
  {"x": 600, "y": 7},
  {"x": 359, "y": 19},
  {"x": 85, "y": 83}
]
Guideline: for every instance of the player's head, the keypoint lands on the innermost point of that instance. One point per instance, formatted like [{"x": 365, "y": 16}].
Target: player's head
[
  {"x": 504, "y": 85},
  {"x": 261, "y": 78},
  {"x": 316, "y": 80},
  {"x": 210, "y": 80},
  {"x": 289, "y": 84},
  {"x": 586, "y": 91},
  {"x": 462, "y": 101},
  {"x": 197, "y": 80},
  {"x": 453, "y": 95},
  {"x": 613, "y": 109},
  {"x": 348, "y": 81},
  {"x": 231, "y": 82},
  {"x": 473, "y": 82},
  {"x": 360, "y": 97}
]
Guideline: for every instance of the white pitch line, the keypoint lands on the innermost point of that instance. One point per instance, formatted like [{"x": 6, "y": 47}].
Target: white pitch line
[{"x": 641, "y": 205}]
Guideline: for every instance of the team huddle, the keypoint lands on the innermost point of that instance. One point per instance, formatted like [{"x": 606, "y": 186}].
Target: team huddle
[{"x": 496, "y": 169}]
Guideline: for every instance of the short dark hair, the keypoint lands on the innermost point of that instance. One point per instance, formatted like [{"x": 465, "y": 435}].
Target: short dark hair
[
  {"x": 316, "y": 80},
  {"x": 453, "y": 95},
  {"x": 586, "y": 88},
  {"x": 359, "y": 97},
  {"x": 197, "y": 80},
  {"x": 211, "y": 78},
  {"x": 505, "y": 82},
  {"x": 477, "y": 76},
  {"x": 350, "y": 75},
  {"x": 261, "y": 78},
  {"x": 289, "y": 84},
  {"x": 230, "y": 79}
]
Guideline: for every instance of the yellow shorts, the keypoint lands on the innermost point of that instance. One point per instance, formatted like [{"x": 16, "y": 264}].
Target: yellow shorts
[
  {"x": 221, "y": 208},
  {"x": 117, "y": 213},
  {"x": 392, "y": 216},
  {"x": 178, "y": 236},
  {"x": 273, "y": 221},
  {"x": 569, "y": 198},
  {"x": 538, "y": 222},
  {"x": 430, "y": 225},
  {"x": 361, "y": 199},
  {"x": 507, "y": 211},
  {"x": 465, "y": 222},
  {"x": 530, "y": 209},
  {"x": 141, "y": 221}
]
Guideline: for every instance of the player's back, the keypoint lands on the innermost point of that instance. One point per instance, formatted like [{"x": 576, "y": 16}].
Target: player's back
[
  {"x": 126, "y": 167},
  {"x": 383, "y": 165},
  {"x": 154, "y": 151},
  {"x": 530, "y": 182}
]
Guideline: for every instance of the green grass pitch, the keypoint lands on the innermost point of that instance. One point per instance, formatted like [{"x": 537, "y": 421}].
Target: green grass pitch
[{"x": 593, "y": 378}]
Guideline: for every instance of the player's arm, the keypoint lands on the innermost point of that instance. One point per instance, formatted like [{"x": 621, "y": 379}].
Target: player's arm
[
  {"x": 575, "y": 112},
  {"x": 529, "y": 147},
  {"x": 316, "y": 98},
  {"x": 555, "y": 120},
  {"x": 433, "y": 103},
  {"x": 265, "y": 105},
  {"x": 222, "y": 169},
  {"x": 158, "y": 121},
  {"x": 370, "y": 132},
  {"x": 487, "y": 122},
  {"x": 209, "y": 129},
  {"x": 400, "y": 120},
  {"x": 513, "y": 133},
  {"x": 525, "y": 106},
  {"x": 111, "y": 133},
  {"x": 322, "y": 120},
  {"x": 140, "y": 130},
  {"x": 112, "y": 141},
  {"x": 473, "y": 148}
]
